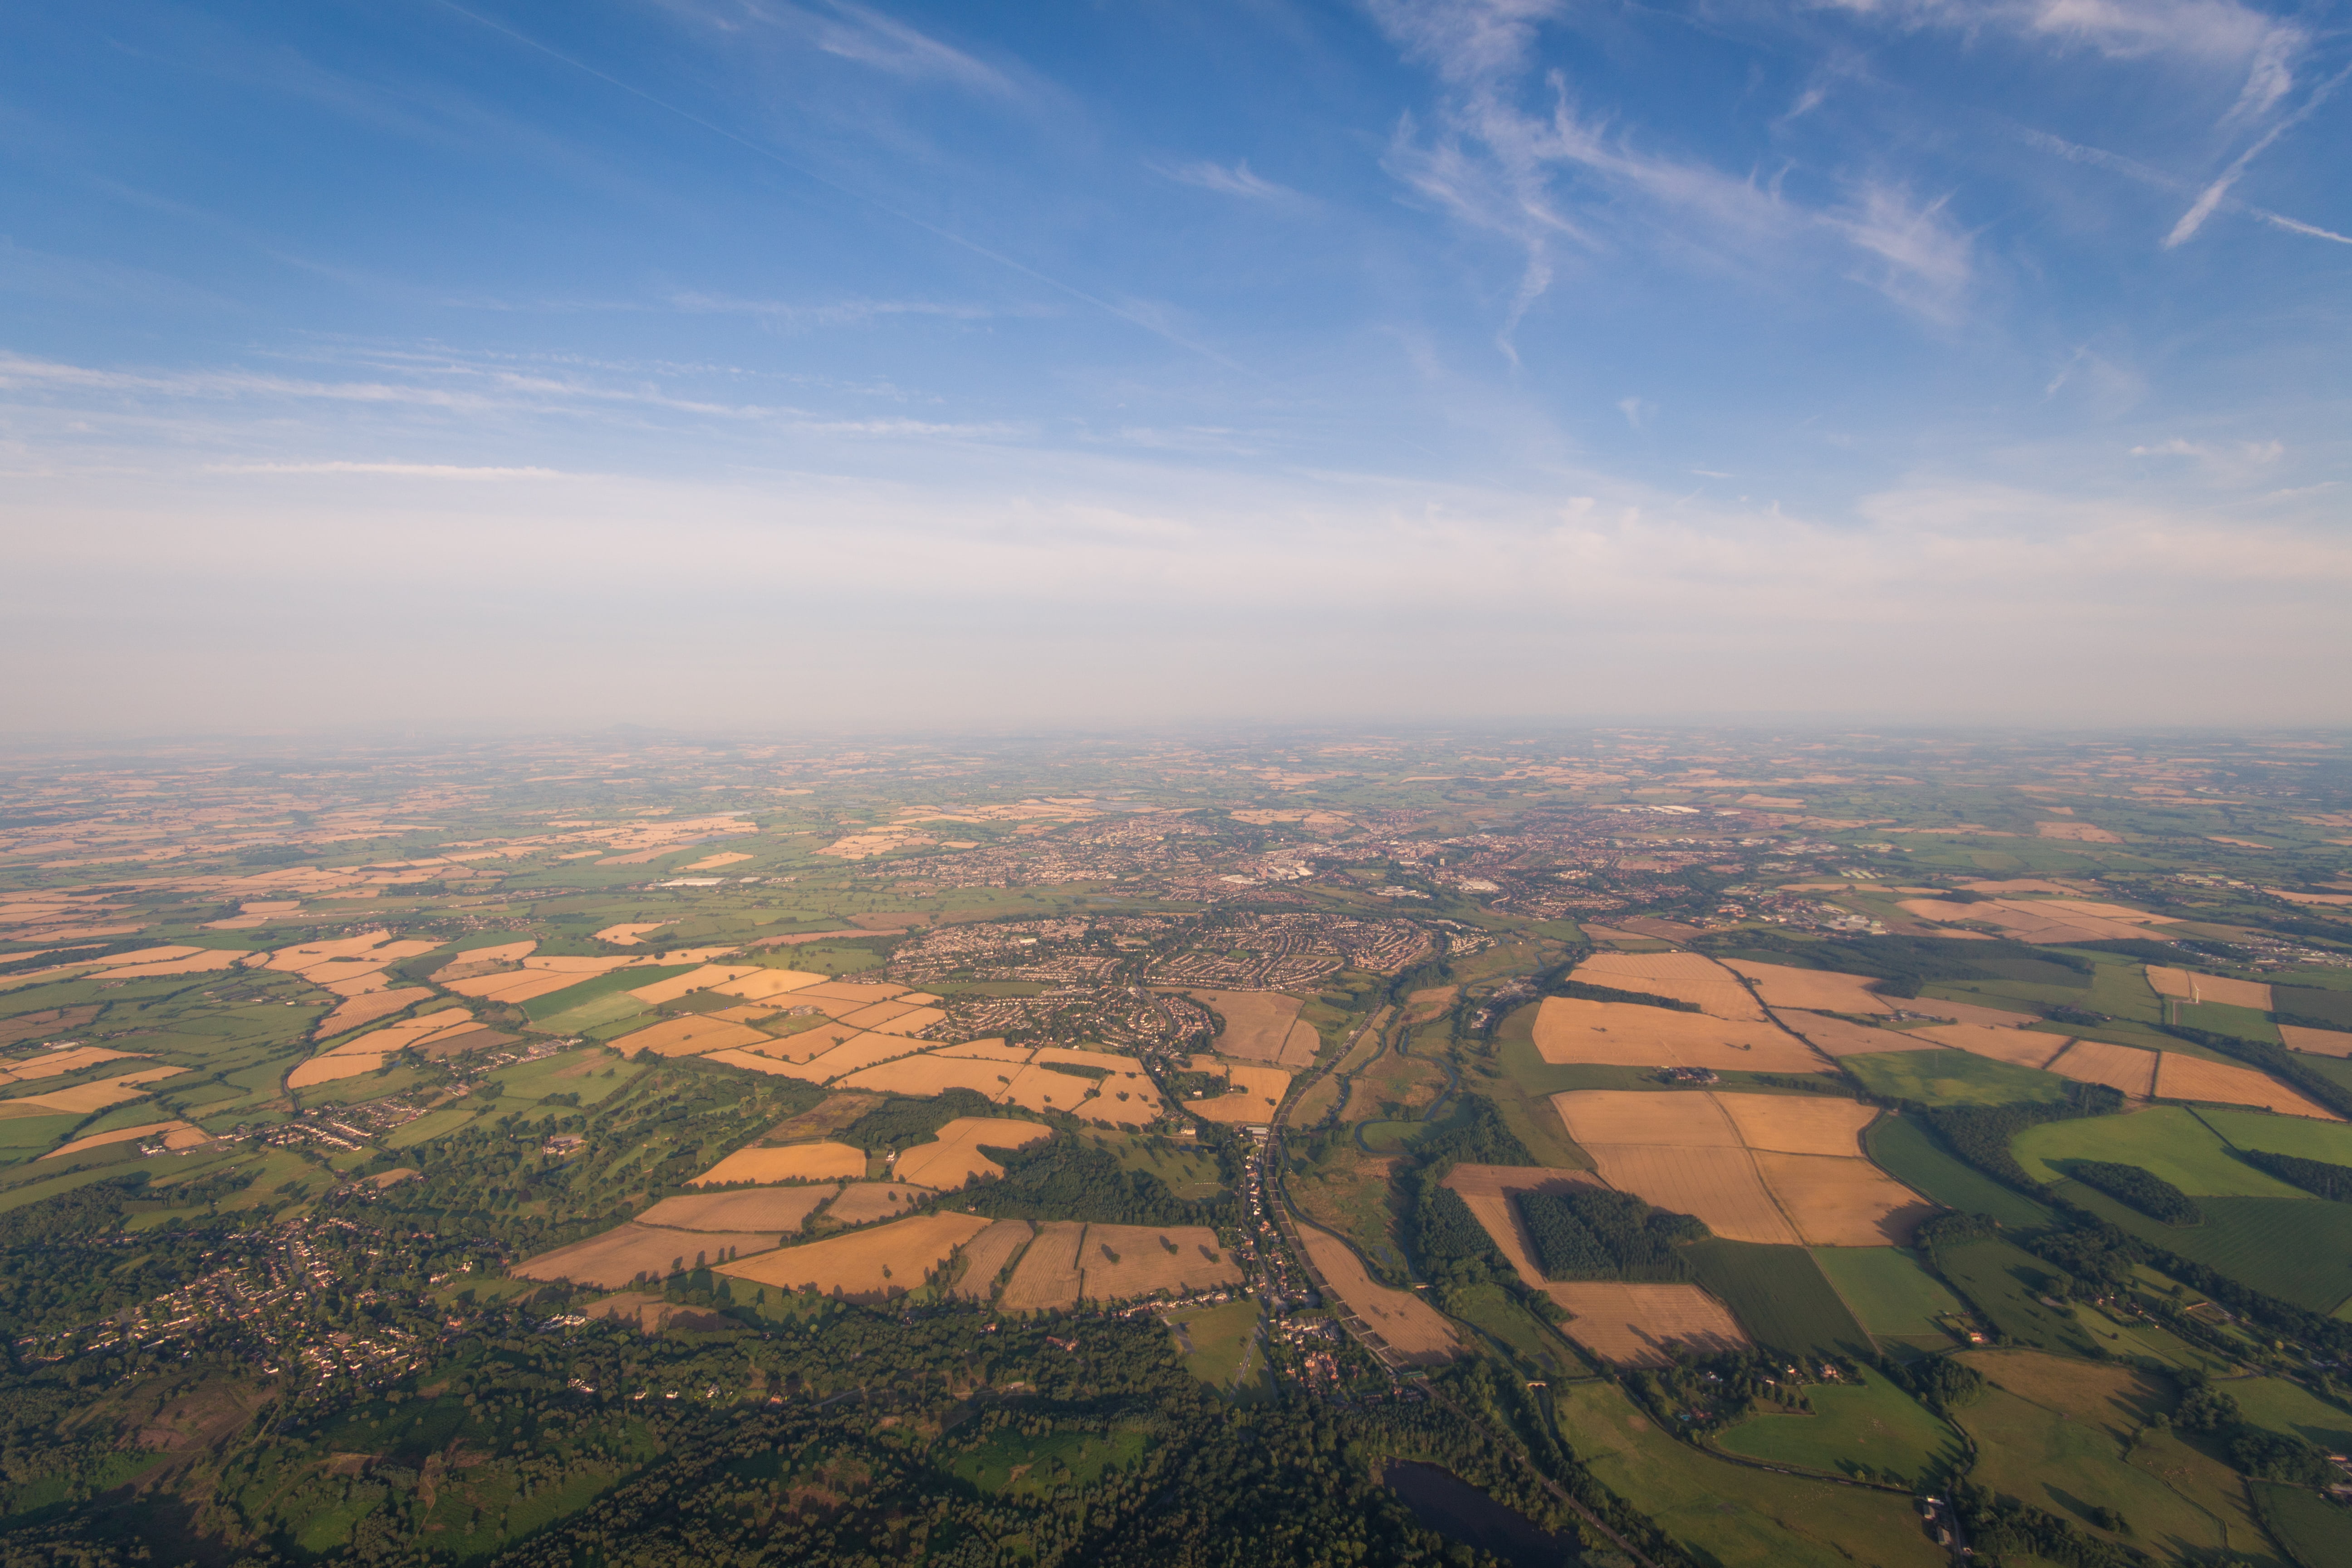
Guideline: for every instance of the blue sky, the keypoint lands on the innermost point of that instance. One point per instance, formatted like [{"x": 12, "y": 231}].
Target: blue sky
[{"x": 761, "y": 364}]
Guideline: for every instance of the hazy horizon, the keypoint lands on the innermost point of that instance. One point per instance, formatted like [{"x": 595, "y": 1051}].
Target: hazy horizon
[{"x": 747, "y": 368}]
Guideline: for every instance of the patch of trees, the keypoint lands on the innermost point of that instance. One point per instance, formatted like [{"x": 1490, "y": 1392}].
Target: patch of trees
[
  {"x": 2142, "y": 1189},
  {"x": 1980, "y": 1134},
  {"x": 901, "y": 1124},
  {"x": 2311, "y": 1176},
  {"x": 1064, "y": 1178},
  {"x": 1590, "y": 993},
  {"x": 1996, "y": 1524},
  {"x": 1594, "y": 1233}
]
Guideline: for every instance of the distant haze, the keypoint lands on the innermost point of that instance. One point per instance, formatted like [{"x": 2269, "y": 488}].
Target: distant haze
[{"x": 708, "y": 365}]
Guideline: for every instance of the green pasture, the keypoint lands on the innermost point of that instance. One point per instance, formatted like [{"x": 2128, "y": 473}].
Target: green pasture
[
  {"x": 2005, "y": 1284},
  {"x": 1537, "y": 1352},
  {"x": 1736, "y": 1516},
  {"x": 1890, "y": 1291},
  {"x": 1009, "y": 1462},
  {"x": 1222, "y": 1347},
  {"x": 2298, "y": 1135},
  {"x": 597, "y": 988},
  {"x": 1779, "y": 1296},
  {"x": 2316, "y": 1532},
  {"x": 1873, "y": 1431},
  {"x": 1951, "y": 1078},
  {"x": 2070, "y": 1463},
  {"x": 2298, "y": 1250},
  {"x": 2167, "y": 1142},
  {"x": 2218, "y": 1018},
  {"x": 1909, "y": 1152},
  {"x": 2294, "y": 1410}
]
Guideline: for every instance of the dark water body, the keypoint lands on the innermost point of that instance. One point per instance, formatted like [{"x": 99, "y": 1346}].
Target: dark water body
[{"x": 1444, "y": 1502}]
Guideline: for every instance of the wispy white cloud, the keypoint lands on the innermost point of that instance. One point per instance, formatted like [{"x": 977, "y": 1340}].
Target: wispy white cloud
[
  {"x": 841, "y": 312},
  {"x": 397, "y": 471},
  {"x": 2131, "y": 168},
  {"x": 1240, "y": 180},
  {"x": 2212, "y": 194},
  {"x": 853, "y": 32},
  {"x": 1542, "y": 179}
]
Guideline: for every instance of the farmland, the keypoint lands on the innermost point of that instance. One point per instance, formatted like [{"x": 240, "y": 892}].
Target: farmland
[
  {"x": 1868, "y": 1428},
  {"x": 1741, "y": 1517},
  {"x": 370, "y": 1161},
  {"x": 1946, "y": 1076}
]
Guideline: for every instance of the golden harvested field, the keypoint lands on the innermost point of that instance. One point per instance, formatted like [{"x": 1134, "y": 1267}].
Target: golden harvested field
[
  {"x": 2179, "y": 1077},
  {"x": 987, "y": 1256},
  {"x": 933, "y": 1072},
  {"x": 854, "y": 991},
  {"x": 860, "y": 1052},
  {"x": 1690, "y": 1120},
  {"x": 2041, "y": 919},
  {"x": 505, "y": 952},
  {"x": 794, "y": 1163},
  {"x": 2188, "y": 985},
  {"x": 366, "y": 1009},
  {"x": 1815, "y": 990},
  {"x": 690, "y": 1036},
  {"x": 914, "y": 1021},
  {"x": 712, "y": 862},
  {"x": 954, "y": 1156},
  {"x": 629, "y": 935},
  {"x": 332, "y": 1068},
  {"x": 176, "y": 1136},
  {"x": 2021, "y": 1047},
  {"x": 73, "y": 1058},
  {"x": 2318, "y": 1042},
  {"x": 868, "y": 1203},
  {"x": 1121, "y": 1262},
  {"x": 1685, "y": 976},
  {"x": 1041, "y": 1089},
  {"x": 1047, "y": 1275},
  {"x": 693, "y": 980},
  {"x": 1782, "y": 1169},
  {"x": 778, "y": 1210},
  {"x": 774, "y": 1067},
  {"x": 1258, "y": 1023},
  {"x": 1722, "y": 1186},
  {"x": 1570, "y": 1030},
  {"x": 2118, "y": 1067},
  {"x": 620, "y": 1256},
  {"x": 1416, "y": 1333},
  {"x": 1799, "y": 1124},
  {"x": 101, "y": 1093},
  {"x": 761, "y": 984},
  {"x": 874, "y": 1013},
  {"x": 1252, "y": 1093},
  {"x": 988, "y": 1050},
  {"x": 1843, "y": 1037},
  {"x": 869, "y": 1264},
  {"x": 1843, "y": 1203},
  {"x": 1640, "y": 1325},
  {"x": 2076, "y": 833}
]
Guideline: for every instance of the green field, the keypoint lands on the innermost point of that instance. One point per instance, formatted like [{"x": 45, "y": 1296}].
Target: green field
[
  {"x": 2217, "y": 1018},
  {"x": 1009, "y": 1462},
  {"x": 603, "y": 1010},
  {"x": 1779, "y": 1296},
  {"x": 2298, "y": 1250},
  {"x": 2166, "y": 1141},
  {"x": 591, "y": 1072},
  {"x": 2296, "y": 1135},
  {"x": 1727, "y": 1515},
  {"x": 1951, "y": 1078},
  {"x": 2053, "y": 1434},
  {"x": 1220, "y": 1347},
  {"x": 1908, "y": 1152},
  {"x": 1875, "y": 1431},
  {"x": 1189, "y": 1172},
  {"x": 2316, "y": 1532},
  {"x": 617, "y": 981},
  {"x": 2005, "y": 1285},
  {"x": 2291, "y": 1408},
  {"x": 1890, "y": 1291},
  {"x": 1533, "y": 1348}
]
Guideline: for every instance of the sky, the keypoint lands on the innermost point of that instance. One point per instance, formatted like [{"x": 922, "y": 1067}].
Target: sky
[{"x": 763, "y": 365}]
